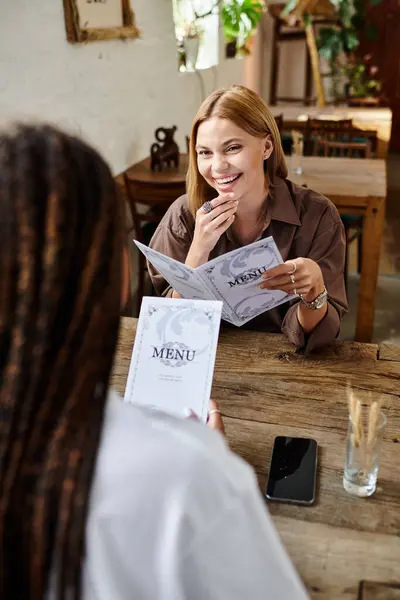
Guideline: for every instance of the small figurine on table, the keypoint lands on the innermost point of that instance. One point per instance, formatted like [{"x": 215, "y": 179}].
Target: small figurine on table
[{"x": 164, "y": 152}]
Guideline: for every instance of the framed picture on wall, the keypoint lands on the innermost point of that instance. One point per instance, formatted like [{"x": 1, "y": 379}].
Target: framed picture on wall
[{"x": 92, "y": 20}]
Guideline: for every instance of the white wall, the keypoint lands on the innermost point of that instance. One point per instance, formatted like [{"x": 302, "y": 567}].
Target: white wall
[{"x": 113, "y": 93}]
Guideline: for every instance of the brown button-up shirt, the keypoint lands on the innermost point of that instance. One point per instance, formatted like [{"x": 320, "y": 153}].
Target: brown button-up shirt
[{"x": 303, "y": 223}]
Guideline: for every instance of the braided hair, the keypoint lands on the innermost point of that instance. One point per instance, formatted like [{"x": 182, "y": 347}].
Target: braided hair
[{"x": 60, "y": 273}]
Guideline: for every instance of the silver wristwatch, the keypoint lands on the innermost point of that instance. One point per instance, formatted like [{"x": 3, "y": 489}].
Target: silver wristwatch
[{"x": 318, "y": 302}]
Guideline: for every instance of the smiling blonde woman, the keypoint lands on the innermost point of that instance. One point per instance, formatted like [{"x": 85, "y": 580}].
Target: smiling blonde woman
[{"x": 237, "y": 193}]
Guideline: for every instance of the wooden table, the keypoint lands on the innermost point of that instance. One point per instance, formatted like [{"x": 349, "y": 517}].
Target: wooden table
[
  {"x": 265, "y": 389},
  {"x": 365, "y": 119},
  {"x": 161, "y": 187},
  {"x": 355, "y": 186}
]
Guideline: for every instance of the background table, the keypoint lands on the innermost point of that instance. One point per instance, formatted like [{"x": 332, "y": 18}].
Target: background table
[
  {"x": 265, "y": 388},
  {"x": 163, "y": 186},
  {"x": 378, "y": 119},
  {"x": 355, "y": 186}
]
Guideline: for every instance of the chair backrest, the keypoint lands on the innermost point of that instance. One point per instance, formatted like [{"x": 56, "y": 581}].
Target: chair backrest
[
  {"x": 326, "y": 128},
  {"x": 327, "y": 147},
  {"x": 339, "y": 132},
  {"x": 323, "y": 126},
  {"x": 146, "y": 210},
  {"x": 279, "y": 122}
]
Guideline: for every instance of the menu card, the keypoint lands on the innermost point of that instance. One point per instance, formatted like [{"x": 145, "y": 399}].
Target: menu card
[
  {"x": 173, "y": 356},
  {"x": 232, "y": 278}
]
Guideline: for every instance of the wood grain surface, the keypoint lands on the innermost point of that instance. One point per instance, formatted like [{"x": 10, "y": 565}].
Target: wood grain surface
[{"x": 266, "y": 388}]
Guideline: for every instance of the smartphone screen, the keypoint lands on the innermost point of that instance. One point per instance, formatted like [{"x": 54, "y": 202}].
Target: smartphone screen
[{"x": 293, "y": 470}]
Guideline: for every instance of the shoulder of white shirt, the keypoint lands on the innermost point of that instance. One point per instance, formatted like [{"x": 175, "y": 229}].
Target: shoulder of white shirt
[{"x": 184, "y": 443}]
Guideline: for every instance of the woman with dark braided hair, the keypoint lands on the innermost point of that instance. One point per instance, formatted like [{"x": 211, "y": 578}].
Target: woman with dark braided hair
[
  {"x": 102, "y": 500},
  {"x": 60, "y": 294}
]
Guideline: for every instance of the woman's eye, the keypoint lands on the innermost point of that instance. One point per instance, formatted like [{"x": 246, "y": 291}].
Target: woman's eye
[
  {"x": 204, "y": 152},
  {"x": 234, "y": 148}
]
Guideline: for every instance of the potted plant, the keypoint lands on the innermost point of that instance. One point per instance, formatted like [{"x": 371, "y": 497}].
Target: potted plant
[
  {"x": 362, "y": 87},
  {"x": 240, "y": 19},
  {"x": 353, "y": 77},
  {"x": 192, "y": 33},
  {"x": 338, "y": 41}
]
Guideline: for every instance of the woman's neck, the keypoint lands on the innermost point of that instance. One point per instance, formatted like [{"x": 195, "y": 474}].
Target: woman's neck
[
  {"x": 250, "y": 206},
  {"x": 250, "y": 218}
]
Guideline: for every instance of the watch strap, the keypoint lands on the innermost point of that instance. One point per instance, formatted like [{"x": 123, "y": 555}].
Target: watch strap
[{"x": 318, "y": 302}]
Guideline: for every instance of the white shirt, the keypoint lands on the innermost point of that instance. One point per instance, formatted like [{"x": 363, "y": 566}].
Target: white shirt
[{"x": 175, "y": 515}]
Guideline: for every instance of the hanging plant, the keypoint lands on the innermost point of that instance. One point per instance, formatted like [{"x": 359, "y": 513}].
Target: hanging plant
[{"x": 240, "y": 19}]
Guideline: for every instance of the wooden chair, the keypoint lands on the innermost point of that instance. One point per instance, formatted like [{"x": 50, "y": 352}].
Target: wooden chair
[
  {"x": 353, "y": 225},
  {"x": 127, "y": 310},
  {"x": 326, "y": 129},
  {"x": 329, "y": 147},
  {"x": 279, "y": 122},
  {"x": 145, "y": 215}
]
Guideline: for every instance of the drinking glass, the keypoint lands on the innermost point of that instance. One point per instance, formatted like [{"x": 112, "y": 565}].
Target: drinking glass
[
  {"x": 362, "y": 460},
  {"x": 297, "y": 153}
]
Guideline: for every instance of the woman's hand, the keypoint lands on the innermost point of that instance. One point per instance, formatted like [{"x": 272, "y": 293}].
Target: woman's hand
[
  {"x": 297, "y": 276},
  {"x": 210, "y": 226},
  {"x": 214, "y": 420}
]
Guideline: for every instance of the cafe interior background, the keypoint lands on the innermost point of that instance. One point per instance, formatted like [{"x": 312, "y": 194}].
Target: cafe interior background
[{"x": 116, "y": 92}]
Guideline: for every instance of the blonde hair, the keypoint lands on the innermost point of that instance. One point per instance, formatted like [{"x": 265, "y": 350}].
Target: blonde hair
[{"x": 248, "y": 111}]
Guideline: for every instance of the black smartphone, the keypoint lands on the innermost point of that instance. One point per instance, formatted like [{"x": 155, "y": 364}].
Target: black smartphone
[{"x": 293, "y": 470}]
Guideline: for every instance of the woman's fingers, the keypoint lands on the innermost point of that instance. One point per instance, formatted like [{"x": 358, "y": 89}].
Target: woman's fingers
[
  {"x": 287, "y": 285},
  {"x": 218, "y": 205},
  {"x": 222, "y": 199},
  {"x": 220, "y": 210},
  {"x": 214, "y": 419},
  {"x": 225, "y": 225},
  {"x": 215, "y": 223},
  {"x": 232, "y": 205},
  {"x": 277, "y": 282}
]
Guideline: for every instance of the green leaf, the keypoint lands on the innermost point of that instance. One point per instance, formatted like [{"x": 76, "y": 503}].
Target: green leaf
[
  {"x": 241, "y": 17},
  {"x": 345, "y": 13},
  {"x": 330, "y": 43},
  {"x": 231, "y": 32},
  {"x": 350, "y": 40},
  {"x": 290, "y": 5}
]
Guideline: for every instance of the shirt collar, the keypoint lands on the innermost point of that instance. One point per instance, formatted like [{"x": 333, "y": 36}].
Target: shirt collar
[{"x": 282, "y": 205}]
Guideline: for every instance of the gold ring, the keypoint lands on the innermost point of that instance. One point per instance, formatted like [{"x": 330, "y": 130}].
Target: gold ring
[{"x": 292, "y": 279}]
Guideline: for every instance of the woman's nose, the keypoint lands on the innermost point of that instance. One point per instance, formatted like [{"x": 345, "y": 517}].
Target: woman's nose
[{"x": 219, "y": 163}]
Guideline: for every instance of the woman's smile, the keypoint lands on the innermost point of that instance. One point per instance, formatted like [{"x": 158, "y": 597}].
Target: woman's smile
[{"x": 227, "y": 183}]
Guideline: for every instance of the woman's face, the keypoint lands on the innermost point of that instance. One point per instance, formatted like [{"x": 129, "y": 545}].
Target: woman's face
[{"x": 229, "y": 158}]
